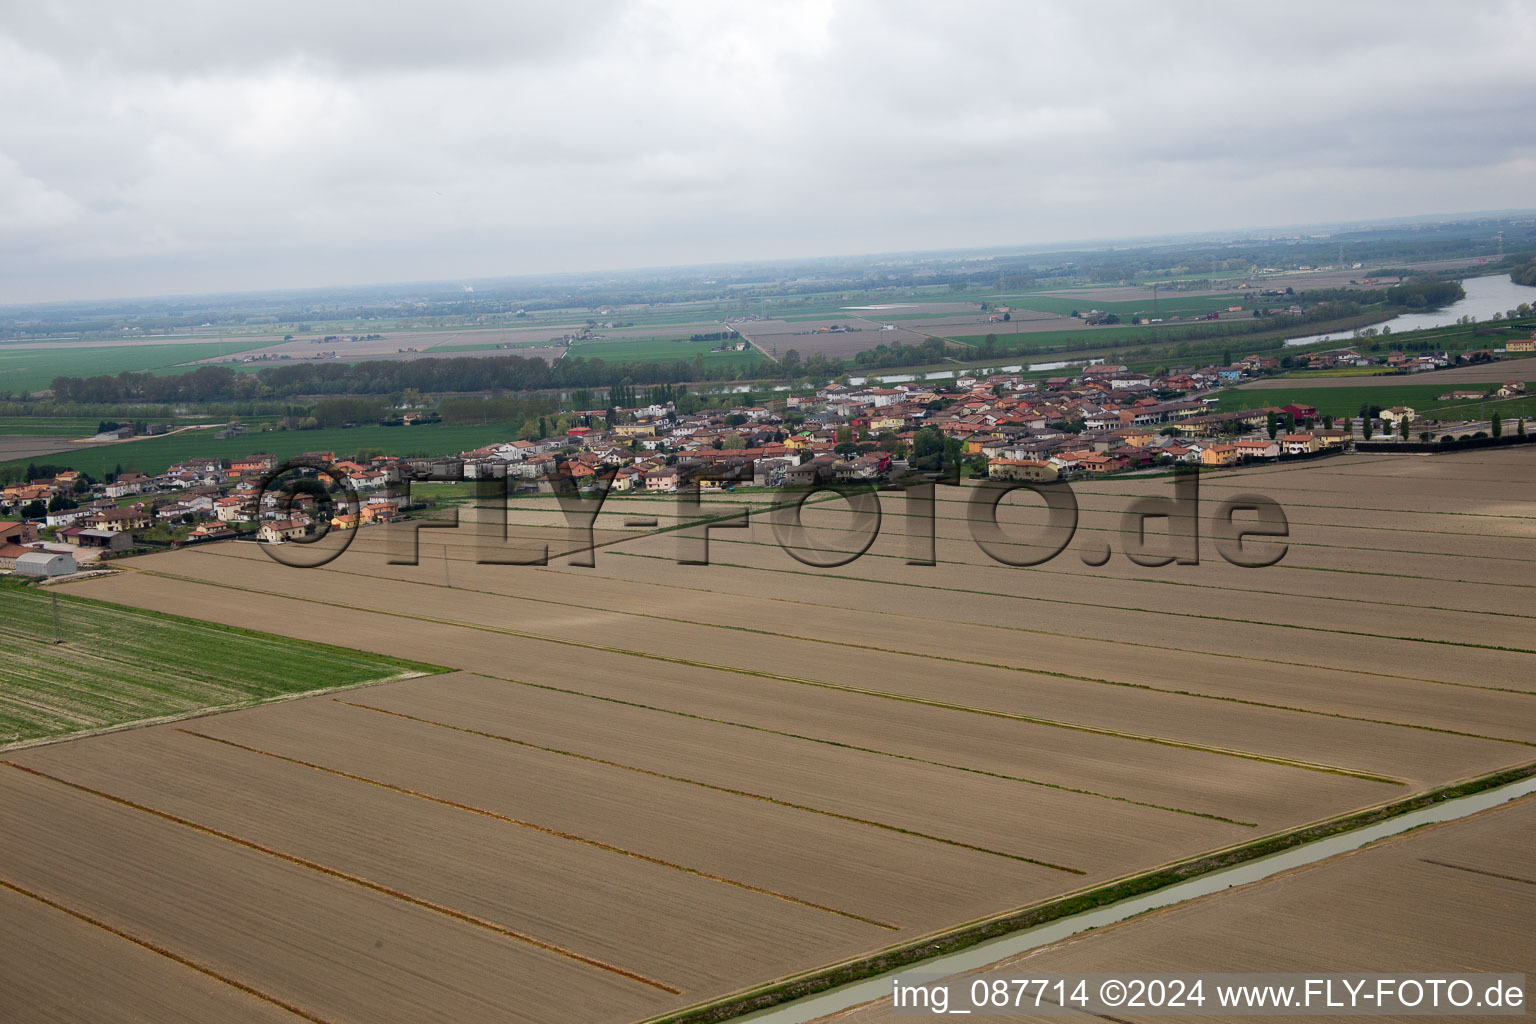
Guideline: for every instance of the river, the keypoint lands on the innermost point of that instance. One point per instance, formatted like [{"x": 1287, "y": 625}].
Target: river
[{"x": 1485, "y": 297}]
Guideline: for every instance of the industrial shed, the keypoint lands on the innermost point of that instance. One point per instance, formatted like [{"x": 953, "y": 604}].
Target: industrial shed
[{"x": 45, "y": 563}]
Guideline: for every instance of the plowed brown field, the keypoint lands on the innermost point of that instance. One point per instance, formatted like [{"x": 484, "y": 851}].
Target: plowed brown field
[{"x": 652, "y": 785}]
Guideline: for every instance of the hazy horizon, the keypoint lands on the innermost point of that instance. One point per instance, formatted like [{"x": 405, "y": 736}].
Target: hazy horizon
[{"x": 183, "y": 151}]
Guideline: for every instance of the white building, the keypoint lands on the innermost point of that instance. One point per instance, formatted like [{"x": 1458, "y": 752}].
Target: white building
[{"x": 45, "y": 563}]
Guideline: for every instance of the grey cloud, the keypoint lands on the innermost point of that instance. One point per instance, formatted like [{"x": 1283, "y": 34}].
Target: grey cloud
[{"x": 177, "y": 146}]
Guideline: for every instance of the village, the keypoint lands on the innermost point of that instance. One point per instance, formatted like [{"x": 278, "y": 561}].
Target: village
[{"x": 1101, "y": 419}]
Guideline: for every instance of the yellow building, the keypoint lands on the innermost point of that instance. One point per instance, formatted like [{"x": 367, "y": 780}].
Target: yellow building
[
  {"x": 1020, "y": 469},
  {"x": 1220, "y": 455}
]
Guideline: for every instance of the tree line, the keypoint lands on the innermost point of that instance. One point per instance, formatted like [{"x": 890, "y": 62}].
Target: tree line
[{"x": 384, "y": 377}]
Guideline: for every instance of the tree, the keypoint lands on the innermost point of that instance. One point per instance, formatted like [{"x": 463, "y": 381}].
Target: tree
[
  {"x": 733, "y": 442},
  {"x": 1327, "y": 422},
  {"x": 1520, "y": 427},
  {"x": 954, "y": 453},
  {"x": 1497, "y": 428},
  {"x": 1365, "y": 427},
  {"x": 1272, "y": 424},
  {"x": 1226, "y": 357},
  {"x": 1402, "y": 426}
]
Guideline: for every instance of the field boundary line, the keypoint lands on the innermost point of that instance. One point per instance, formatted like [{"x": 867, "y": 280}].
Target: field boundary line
[
  {"x": 1084, "y": 509},
  {"x": 234, "y": 983},
  {"x": 357, "y": 880},
  {"x": 1019, "y": 629},
  {"x": 1082, "y": 573},
  {"x": 1477, "y": 871},
  {"x": 864, "y": 750},
  {"x": 838, "y": 743},
  {"x": 1068, "y": 904},
  {"x": 795, "y": 680},
  {"x": 1015, "y": 668},
  {"x": 712, "y": 786},
  {"x": 544, "y": 829},
  {"x": 1195, "y": 615}
]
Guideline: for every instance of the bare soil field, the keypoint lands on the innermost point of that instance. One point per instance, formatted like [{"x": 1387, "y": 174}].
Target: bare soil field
[
  {"x": 16, "y": 446},
  {"x": 1025, "y": 322},
  {"x": 1454, "y": 897},
  {"x": 804, "y": 336},
  {"x": 661, "y": 784}
]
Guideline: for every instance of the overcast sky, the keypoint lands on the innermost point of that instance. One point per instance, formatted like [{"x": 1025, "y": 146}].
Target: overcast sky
[{"x": 174, "y": 146}]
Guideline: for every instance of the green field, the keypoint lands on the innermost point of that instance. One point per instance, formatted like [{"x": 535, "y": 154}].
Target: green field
[
  {"x": 154, "y": 454},
  {"x": 658, "y": 350},
  {"x": 1423, "y": 399},
  {"x": 33, "y": 369},
  {"x": 118, "y": 665}
]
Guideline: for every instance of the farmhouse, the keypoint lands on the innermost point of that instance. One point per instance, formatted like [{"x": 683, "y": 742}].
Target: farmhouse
[
  {"x": 1020, "y": 469},
  {"x": 281, "y": 530}
]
